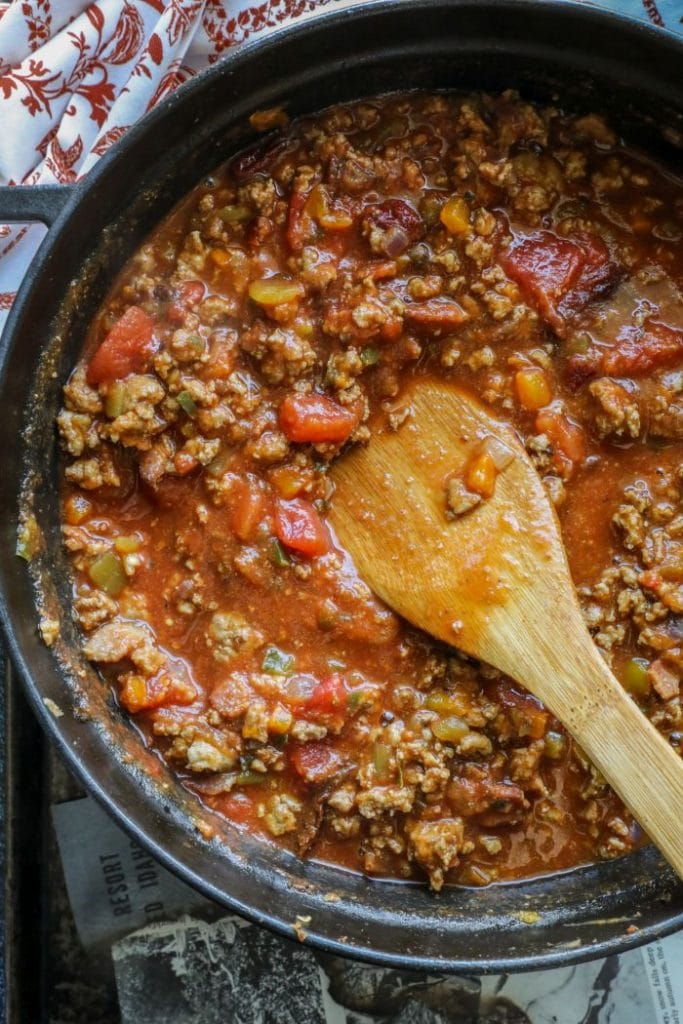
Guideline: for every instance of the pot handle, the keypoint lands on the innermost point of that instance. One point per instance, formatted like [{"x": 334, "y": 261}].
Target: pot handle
[{"x": 24, "y": 203}]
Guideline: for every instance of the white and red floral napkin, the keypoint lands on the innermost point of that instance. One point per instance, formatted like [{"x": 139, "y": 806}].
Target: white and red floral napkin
[{"x": 75, "y": 74}]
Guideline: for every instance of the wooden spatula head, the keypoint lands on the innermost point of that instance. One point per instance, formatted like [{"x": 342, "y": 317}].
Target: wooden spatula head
[
  {"x": 495, "y": 583},
  {"x": 463, "y": 579}
]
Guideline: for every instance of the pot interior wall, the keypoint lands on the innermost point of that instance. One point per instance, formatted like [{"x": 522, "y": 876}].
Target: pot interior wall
[{"x": 548, "y": 52}]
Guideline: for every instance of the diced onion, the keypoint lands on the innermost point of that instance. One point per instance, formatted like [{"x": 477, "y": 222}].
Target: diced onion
[{"x": 500, "y": 453}]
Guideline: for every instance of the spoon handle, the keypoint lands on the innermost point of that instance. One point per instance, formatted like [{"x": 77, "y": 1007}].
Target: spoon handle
[{"x": 621, "y": 742}]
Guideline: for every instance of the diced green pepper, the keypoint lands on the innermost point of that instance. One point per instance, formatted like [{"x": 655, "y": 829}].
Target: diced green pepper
[
  {"x": 107, "y": 573},
  {"x": 369, "y": 355},
  {"x": 381, "y": 755},
  {"x": 358, "y": 698},
  {"x": 430, "y": 207},
  {"x": 578, "y": 344},
  {"x": 116, "y": 401},
  {"x": 197, "y": 343},
  {"x": 277, "y": 553},
  {"x": 235, "y": 213},
  {"x": 451, "y": 729},
  {"x": 28, "y": 538},
  {"x": 635, "y": 677},
  {"x": 250, "y": 778},
  {"x": 187, "y": 403},
  {"x": 277, "y": 662}
]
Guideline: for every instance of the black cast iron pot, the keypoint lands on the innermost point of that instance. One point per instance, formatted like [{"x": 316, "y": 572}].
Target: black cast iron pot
[{"x": 588, "y": 59}]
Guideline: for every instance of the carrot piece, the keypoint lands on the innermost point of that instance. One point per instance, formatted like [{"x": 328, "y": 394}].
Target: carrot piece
[
  {"x": 248, "y": 508},
  {"x": 532, "y": 387},
  {"x": 455, "y": 216},
  {"x": 481, "y": 473}
]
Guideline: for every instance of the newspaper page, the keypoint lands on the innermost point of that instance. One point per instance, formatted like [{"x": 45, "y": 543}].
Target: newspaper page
[{"x": 179, "y": 959}]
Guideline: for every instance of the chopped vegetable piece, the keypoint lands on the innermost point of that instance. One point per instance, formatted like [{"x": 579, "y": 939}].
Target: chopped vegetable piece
[
  {"x": 392, "y": 226},
  {"x": 555, "y": 745},
  {"x": 299, "y": 527},
  {"x": 330, "y": 216},
  {"x": 500, "y": 453},
  {"x": 560, "y": 275},
  {"x": 635, "y": 677},
  {"x": 315, "y": 762},
  {"x": 277, "y": 553},
  {"x": 140, "y": 694},
  {"x": 358, "y": 698},
  {"x": 533, "y": 389},
  {"x": 275, "y": 291},
  {"x": 77, "y": 509},
  {"x": 187, "y": 404},
  {"x": 481, "y": 473},
  {"x": 248, "y": 506},
  {"x": 445, "y": 703},
  {"x": 115, "y": 403},
  {"x": 107, "y": 573},
  {"x": 638, "y": 350},
  {"x": 369, "y": 355},
  {"x": 28, "y": 538},
  {"x": 562, "y": 433},
  {"x": 329, "y": 696},
  {"x": 299, "y": 689},
  {"x": 250, "y": 778},
  {"x": 280, "y": 721},
  {"x": 435, "y": 314},
  {"x": 128, "y": 348},
  {"x": 316, "y": 419},
  {"x": 451, "y": 729},
  {"x": 235, "y": 213},
  {"x": 455, "y": 216},
  {"x": 221, "y": 257},
  {"x": 288, "y": 481},
  {"x": 381, "y": 756},
  {"x": 665, "y": 679},
  {"x": 127, "y": 545},
  {"x": 277, "y": 662}
]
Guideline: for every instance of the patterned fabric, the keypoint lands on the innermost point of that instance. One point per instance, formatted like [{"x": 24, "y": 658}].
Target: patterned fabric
[{"x": 74, "y": 75}]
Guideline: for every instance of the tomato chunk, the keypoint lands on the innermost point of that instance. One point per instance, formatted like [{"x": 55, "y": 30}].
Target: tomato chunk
[
  {"x": 560, "y": 275},
  {"x": 190, "y": 293},
  {"x": 641, "y": 349},
  {"x": 636, "y": 352},
  {"x": 329, "y": 696},
  {"x": 316, "y": 419},
  {"x": 128, "y": 348},
  {"x": 299, "y": 527},
  {"x": 564, "y": 435},
  {"x": 315, "y": 762}
]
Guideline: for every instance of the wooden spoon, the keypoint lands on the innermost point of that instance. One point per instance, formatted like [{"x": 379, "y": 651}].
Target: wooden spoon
[{"x": 495, "y": 583}]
